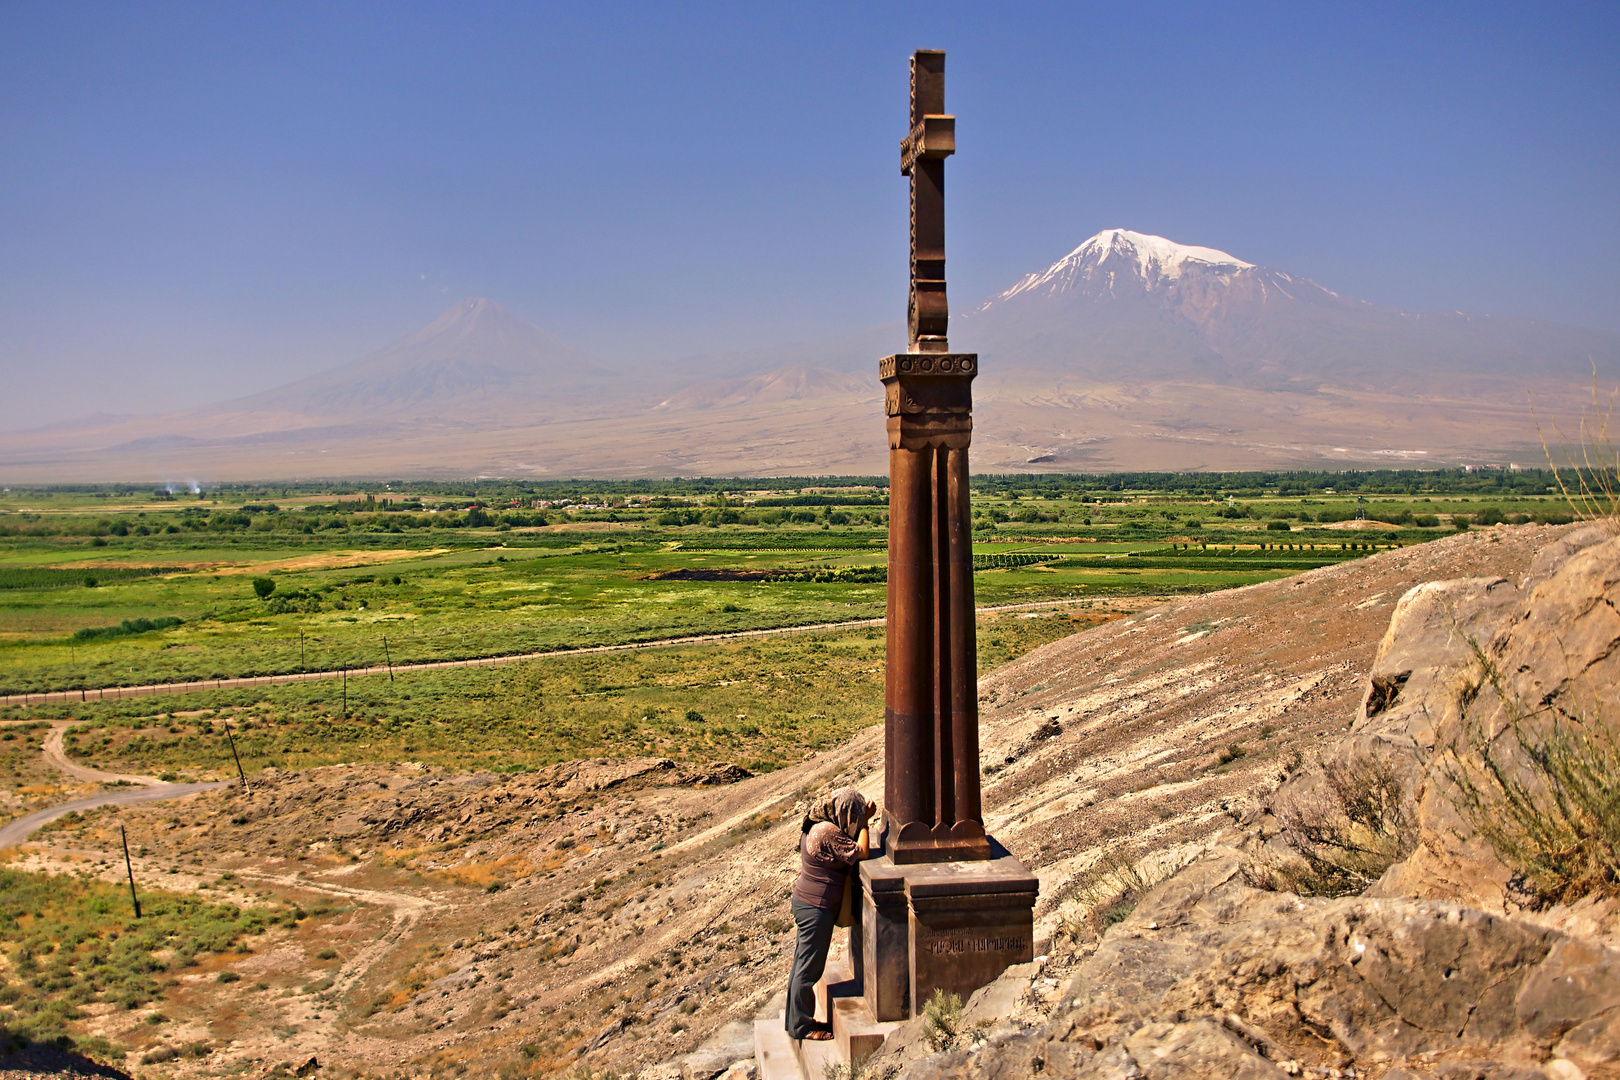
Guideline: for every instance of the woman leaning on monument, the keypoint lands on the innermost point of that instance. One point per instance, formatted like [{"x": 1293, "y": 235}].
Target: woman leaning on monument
[{"x": 833, "y": 838}]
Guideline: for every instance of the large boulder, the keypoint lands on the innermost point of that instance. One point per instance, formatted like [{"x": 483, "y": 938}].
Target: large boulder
[{"x": 1554, "y": 651}]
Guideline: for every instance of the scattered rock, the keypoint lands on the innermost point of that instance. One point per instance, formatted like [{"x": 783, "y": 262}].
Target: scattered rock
[{"x": 717, "y": 772}]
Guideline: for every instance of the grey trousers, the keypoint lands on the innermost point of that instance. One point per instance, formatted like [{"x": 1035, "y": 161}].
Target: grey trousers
[{"x": 809, "y": 961}]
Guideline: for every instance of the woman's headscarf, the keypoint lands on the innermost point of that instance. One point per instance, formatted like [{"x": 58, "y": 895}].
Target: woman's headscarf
[{"x": 845, "y": 808}]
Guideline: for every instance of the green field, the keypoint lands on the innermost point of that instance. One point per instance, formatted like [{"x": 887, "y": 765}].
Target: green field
[
  {"x": 760, "y": 702},
  {"x": 108, "y": 587}
]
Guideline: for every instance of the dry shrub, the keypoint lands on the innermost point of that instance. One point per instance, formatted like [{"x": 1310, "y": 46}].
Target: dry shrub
[
  {"x": 507, "y": 868},
  {"x": 1108, "y": 890},
  {"x": 1346, "y": 834},
  {"x": 860, "y": 1069},
  {"x": 1544, "y": 791}
]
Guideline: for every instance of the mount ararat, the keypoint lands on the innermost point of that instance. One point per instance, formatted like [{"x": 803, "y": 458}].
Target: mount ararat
[{"x": 1131, "y": 352}]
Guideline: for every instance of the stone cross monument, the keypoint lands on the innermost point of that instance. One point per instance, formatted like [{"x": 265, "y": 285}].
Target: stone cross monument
[
  {"x": 931, "y": 711},
  {"x": 944, "y": 906}
]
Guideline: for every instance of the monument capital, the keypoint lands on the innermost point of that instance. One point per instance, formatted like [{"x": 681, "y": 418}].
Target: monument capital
[{"x": 928, "y": 399}]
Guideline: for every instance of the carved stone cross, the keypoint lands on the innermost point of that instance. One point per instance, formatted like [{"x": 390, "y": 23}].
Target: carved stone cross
[
  {"x": 943, "y": 907},
  {"x": 931, "y": 715},
  {"x": 922, "y": 157}
]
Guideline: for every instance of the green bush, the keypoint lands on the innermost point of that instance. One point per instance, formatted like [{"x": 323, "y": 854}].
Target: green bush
[
  {"x": 128, "y": 626},
  {"x": 263, "y": 587},
  {"x": 942, "y": 1020}
]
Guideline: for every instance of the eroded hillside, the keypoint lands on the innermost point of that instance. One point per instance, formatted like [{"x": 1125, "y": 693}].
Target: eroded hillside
[{"x": 613, "y": 916}]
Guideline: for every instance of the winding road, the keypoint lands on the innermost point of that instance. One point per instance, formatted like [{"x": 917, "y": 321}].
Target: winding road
[{"x": 139, "y": 789}]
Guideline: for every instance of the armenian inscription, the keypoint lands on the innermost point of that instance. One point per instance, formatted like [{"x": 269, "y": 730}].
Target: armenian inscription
[{"x": 943, "y": 946}]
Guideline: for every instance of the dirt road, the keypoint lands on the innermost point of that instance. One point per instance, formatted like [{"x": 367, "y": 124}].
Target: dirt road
[{"x": 138, "y": 789}]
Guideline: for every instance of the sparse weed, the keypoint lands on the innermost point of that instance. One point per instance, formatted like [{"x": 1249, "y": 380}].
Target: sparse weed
[
  {"x": 1106, "y": 893},
  {"x": 860, "y": 1069},
  {"x": 1589, "y": 479},
  {"x": 942, "y": 1020}
]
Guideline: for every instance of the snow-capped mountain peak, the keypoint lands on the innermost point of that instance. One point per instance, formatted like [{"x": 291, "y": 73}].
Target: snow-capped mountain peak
[{"x": 1151, "y": 259}]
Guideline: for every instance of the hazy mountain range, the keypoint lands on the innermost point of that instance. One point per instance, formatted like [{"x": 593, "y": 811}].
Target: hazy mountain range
[{"x": 1130, "y": 352}]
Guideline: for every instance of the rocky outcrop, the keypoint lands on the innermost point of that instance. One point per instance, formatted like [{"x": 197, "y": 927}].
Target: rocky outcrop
[
  {"x": 1211, "y": 976},
  {"x": 1502, "y": 655},
  {"x": 1443, "y": 967},
  {"x": 716, "y": 772}
]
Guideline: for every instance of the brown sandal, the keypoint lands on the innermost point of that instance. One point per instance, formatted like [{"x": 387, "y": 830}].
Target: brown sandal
[{"x": 819, "y": 1035}]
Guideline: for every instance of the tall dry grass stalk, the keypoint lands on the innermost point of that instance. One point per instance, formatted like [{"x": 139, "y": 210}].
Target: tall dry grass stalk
[{"x": 1107, "y": 891}]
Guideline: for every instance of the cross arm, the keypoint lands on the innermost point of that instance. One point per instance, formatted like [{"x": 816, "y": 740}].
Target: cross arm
[{"x": 934, "y": 137}]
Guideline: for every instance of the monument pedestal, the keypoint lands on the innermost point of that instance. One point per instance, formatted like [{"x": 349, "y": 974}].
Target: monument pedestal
[{"x": 951, "y": 926}]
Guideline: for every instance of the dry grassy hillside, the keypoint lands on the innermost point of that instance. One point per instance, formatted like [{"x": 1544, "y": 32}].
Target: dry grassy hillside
[{"x": 600, "y": 916}]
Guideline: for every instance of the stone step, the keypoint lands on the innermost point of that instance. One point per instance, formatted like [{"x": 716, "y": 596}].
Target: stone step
[
  {"x": 780, "y": 1058},
  {"x": 856, "y": 1033},
  {"x": 837, "y": 981}
]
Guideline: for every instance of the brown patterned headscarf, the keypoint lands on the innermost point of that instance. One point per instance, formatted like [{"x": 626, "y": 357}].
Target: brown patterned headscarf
[{"x": 845, "y": 808}]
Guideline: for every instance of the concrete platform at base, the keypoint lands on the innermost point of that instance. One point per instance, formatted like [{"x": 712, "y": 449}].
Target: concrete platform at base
[
  {"x": 773, "y": 1052},
  {"x": 856, "y": 1035}
]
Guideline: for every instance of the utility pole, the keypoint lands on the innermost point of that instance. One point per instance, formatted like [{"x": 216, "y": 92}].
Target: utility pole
[
  {"x": 301, "y": 664},
  {"x": 389, "y": 660},
  {"x": 345, "y": 693},
  {"x": 239, "y": 773},
  {"x": 129, "y": 868}
]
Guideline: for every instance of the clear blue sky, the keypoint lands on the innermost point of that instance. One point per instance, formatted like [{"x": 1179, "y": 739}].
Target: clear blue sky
[{"x": 198, "y": 200}]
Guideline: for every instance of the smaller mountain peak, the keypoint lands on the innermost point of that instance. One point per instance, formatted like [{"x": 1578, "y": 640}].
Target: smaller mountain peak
[
  {"x": 479, "y": 305},
  {"x": 466, "y": 316}
]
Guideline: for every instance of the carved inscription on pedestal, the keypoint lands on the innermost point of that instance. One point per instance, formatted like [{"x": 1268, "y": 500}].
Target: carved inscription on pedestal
[
  {"x": 962, "y": 940},
  {"x": 952, "y": 944}
]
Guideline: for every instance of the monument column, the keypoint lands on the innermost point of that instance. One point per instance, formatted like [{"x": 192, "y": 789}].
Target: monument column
[
  {"x": 931, "y": 713},
  {"x": 944, "y": 907}
]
